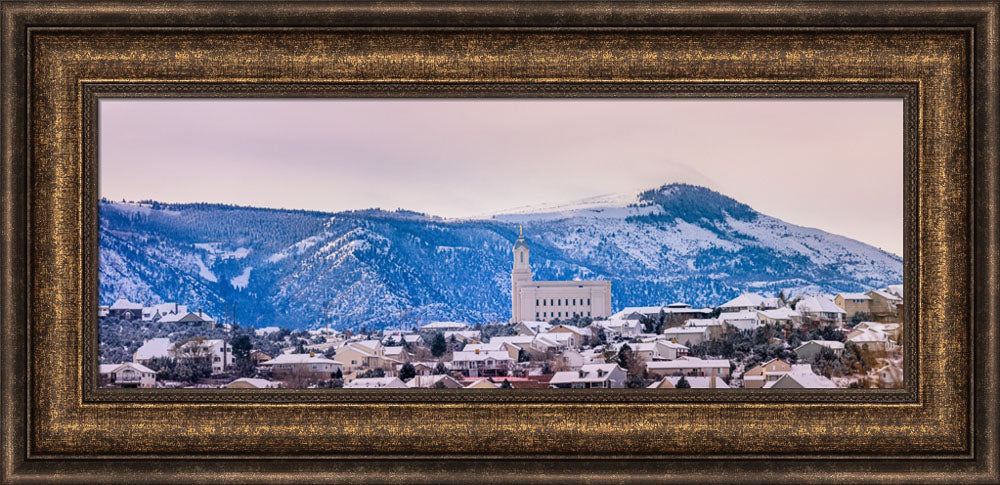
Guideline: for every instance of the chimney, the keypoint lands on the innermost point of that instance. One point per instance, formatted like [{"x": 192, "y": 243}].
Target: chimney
[{"x": 711, "y": 382}]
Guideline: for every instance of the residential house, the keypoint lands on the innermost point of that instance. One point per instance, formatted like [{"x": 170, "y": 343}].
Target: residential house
[
  {"x": 744, "y": 320},
  {"x": 579, "y": 335},
  {"x": 303, "y": 366},
  {"x": 854, "y": 303},
  {"x": 890, "y": 329},
  {"x": 696, "y": 382},
  {"x": 127, "y": 375},
  {"x": 781, "y": 317},
  {"x": 873, "y": 340},
  {"x": 688, "y": 366},
  {"x": 363, "y": 354},
  {"x": 715, "y": 326},
  {"x": 123, "y": 309},
  {"x": 463, "y": 335},
  {"x": 444, "y": 326},
  {"x": 809, "y": 350},
  {"x": 889, "y": 376},
  {"x": 820, "y": 310},
  {"x": 604, "y": 376},
  {"x": 188, "y": 317},
  {"x": 152, "y": 349},
  {"x": 376, "y": 383},
  {"x": 217, "y": 351},
  {"x": 749, "y": 302},
  {"x": 531, "y": 328},
  {"x": 480, "y": 364},
  {"x": 686, "y": 336},
  {"x": 482, "y": 384},
  {"x": 769, "y": 371},
  {"x": 800, "y": 376},
  {"x": 884, "y": 305},
  {"x": 441, "y": 381},
  {"x": 252, "y": 383},
  {"x": 614, "y": 329}
]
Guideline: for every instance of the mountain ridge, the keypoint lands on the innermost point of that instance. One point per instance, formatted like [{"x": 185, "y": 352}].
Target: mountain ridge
[{"x": 379, "y": 268}]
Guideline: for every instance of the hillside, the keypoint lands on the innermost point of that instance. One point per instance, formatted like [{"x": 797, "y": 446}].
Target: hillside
[{"x": 378, "y": 268}]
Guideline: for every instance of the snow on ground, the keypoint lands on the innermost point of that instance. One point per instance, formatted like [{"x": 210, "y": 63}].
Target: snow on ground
[
  {"x": 215, "y": 249},
  {"x": 203, "y": 270},
  {"x": 240, "y": 282}
]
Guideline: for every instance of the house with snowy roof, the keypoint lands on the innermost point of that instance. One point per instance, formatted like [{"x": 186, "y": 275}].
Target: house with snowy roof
[
  {"x": 820, "y": 310},
  {"x": 743, "y": 321},
  {"x": 187, "y": 317},
  {"x": 809, "y": 350},
  {"x": 304, "y": 366},
  {"x": 444, "y": 326},
  {"x": 152, "y": 349},
  {"x": 531, "y": 327},
  {"x": 686, "y": 335},
  {"x": 688, "y": 366},
  {"x": 440, "y": 381},
  {"x": 884, "y": 305},
  {"x": 127, "y": 375},
  {"x": 482, "y": 363},
  {"x": 801, "y": 376},
  {"x": 853, "y": 303},
  {"x": 749, "y": 301},
  {"x": 782, "y": 317},
  {"x": 766, "y": 372},
  {"x": 252, "y": 383},
  {"x": 601, "y": 376},
  {"x": 376, "y": 383},
  {"x": 123, "y": 309},
  {"x": 695, "y": 382}
]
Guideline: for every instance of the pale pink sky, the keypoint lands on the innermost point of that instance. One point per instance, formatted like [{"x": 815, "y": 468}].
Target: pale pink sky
[{"x": 835, "y": 165}]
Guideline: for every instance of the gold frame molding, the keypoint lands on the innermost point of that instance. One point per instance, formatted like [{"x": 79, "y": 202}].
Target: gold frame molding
[{"x": 58, "y": 59}]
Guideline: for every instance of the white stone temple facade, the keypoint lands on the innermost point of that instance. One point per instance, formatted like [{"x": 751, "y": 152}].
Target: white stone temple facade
[{"x": 545, "y": 300}]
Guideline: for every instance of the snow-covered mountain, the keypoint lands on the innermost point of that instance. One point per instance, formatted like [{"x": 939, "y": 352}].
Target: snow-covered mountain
[{"x": 376, "y": 268}]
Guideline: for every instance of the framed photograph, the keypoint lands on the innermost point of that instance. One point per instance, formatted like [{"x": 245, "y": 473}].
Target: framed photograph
[{"x": 503, "y": 242}]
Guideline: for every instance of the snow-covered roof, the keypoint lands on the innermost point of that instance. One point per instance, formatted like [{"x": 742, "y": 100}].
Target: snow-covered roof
[
  {"x": 741, "y": 315},
  {"x": 700, "y": 382},
  {"x": 887, "y": 295},
  {"x": 375, "y": 382},
  {"x": 818, "y": 304},
  {"x": 805, "y": 377},
  {"x": 783, "y": 313},
  {"x": 830, "y": 344},
  {"x": 299, "y": 359},
  {"x": 153, "y": 348},
  {"x": 462, "y": 356},
  {"x": 513, "y": 340},
  {"x": 869, "y": 335},
  {"x": 684, "y": 331},
  {"x": 895, "y": 290},
  {"x": 444, "y": 325},
  {"x": 255, "y": 382},
  {"x": 854, "y": 296},
  {"x": 124, "y": 304},
  {"x": 110, "y": 368},
  {"x": 587, "y": 373},
  {"x": 688, "y": 362},
  {"x": 744, "y": 300},
  {"x": 492, "y": 346}
]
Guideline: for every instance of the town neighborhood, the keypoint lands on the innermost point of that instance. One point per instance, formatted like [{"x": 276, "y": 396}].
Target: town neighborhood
[{"x": 561, "y": 335}]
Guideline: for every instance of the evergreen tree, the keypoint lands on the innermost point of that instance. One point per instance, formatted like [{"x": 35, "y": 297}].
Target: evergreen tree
[
  {"x": 438, "y": 345},
  {"x": 407, "y": 372},
  {"x": 440, "y": 369},
  {"x": 683, "y": 383}
]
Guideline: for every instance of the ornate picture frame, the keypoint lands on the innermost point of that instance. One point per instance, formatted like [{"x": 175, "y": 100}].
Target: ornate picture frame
[{"x": 59, "y": 59}]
